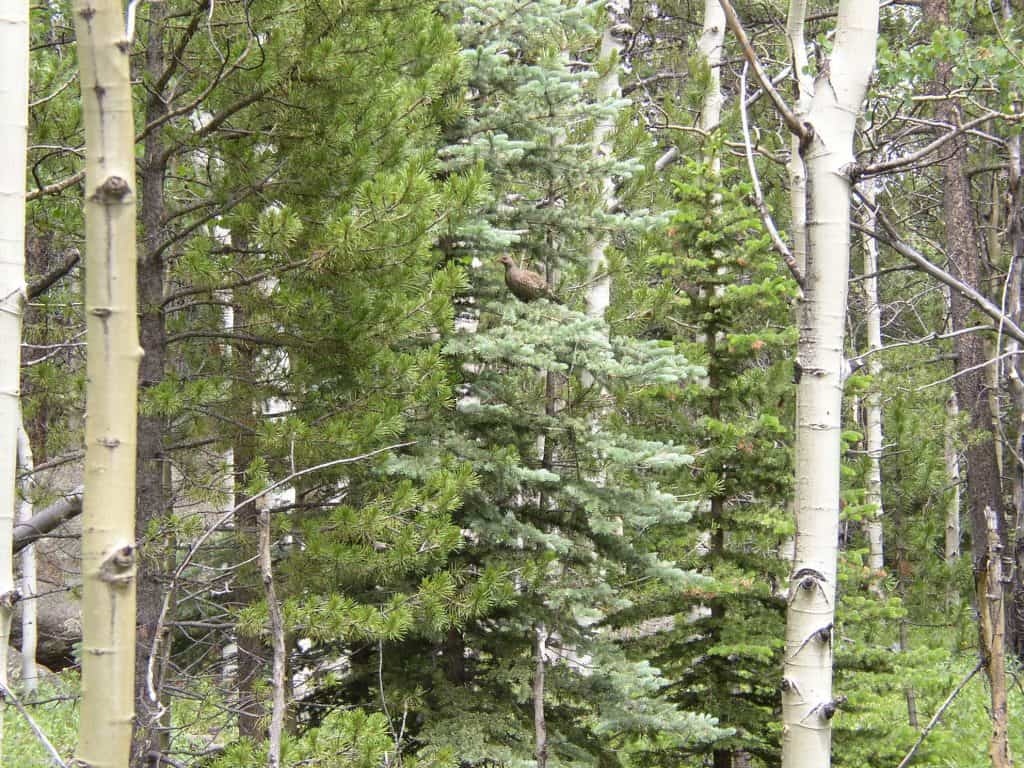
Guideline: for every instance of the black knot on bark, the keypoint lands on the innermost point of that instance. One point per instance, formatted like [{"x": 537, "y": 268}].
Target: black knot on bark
[{"x": 113, "y": 190}]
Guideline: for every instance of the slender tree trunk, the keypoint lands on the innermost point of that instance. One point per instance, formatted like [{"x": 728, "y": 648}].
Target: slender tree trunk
[
  {"x": 600, "y": 288},
  {"x": 277, "y": 710},
  {"x": 540, "y": 726},
  {"x": 108, "y": 526},
  {"x": 984, "y": 489},
  {"x": 796, "y": 170},
  {"x": 873, "y": 409},
  {"x": 902, "y": 570},
  {"x": 252, "y": 653},
  {"x": 839, "y": 91},
  {"x": 454, "y": 653},
  {"x": 951, "y": 453},
  {"x": 14, "y": 37},
  {"x": 29, "y": 628},
  {"x": 1015, "y": 236},
  {"x": 152, "y": 497}
]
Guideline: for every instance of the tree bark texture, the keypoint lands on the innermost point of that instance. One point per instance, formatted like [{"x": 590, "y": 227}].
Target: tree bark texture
[
  {"x": 600, "y": 289},
  {"x": 951, "y": 454},
  {"x": 827, "y": 151},
  {"x": 796, "y": 170},
  {"x": 277, "y": 710},
  {"x": 152, "y": 493},
  {"x": 108, "y": 526},
  {"x": 984, "y": 488},
  {"x": 252, "y": 652},
  {"x": 29, "y": 624}
]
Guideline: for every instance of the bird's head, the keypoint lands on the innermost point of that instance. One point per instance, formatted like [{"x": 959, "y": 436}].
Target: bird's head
[{"x": 507, "y": 261}]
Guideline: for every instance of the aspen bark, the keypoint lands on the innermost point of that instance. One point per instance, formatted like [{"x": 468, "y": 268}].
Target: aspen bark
[
  {"x": 827, "y": 150},
  {"x": 873, "y": 403},
  {"x": 600, "y": 289},
  {"x": 1015, "y": 237},
  {"x": 796, "y": 171},
  {"x": 709, "y": 47},
  {"x": 108, "y": 535},
  {"x": 29, "y": 626},
  {"x": 951, "y": 451},
  {"x": 14, "y": 36},
  {"x": 540, "y": 726}
]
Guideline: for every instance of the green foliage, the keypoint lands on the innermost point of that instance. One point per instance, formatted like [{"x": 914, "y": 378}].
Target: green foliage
[{"x": 57, "y": 718}]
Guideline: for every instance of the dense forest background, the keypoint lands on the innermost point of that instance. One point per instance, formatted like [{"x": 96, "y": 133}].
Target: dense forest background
[{"x": 415, "y": 521}]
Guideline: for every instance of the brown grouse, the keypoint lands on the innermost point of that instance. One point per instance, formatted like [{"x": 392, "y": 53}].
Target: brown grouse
[{"x": 526, "y": 285}]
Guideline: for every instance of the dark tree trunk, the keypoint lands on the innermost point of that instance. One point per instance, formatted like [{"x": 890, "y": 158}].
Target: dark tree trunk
[
  {"x": 152, "y": 491},
  {"x": 984, "y": 489},
  {"x": 455, "y": 657},
  {"x": 253, "y": 655}
]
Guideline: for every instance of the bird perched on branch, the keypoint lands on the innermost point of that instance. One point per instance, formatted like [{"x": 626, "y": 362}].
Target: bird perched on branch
[{"x": 526, "y": 285}]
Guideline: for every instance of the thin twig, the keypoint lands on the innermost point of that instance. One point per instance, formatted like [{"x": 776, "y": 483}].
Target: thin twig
[
  {"x": 54, "y": 754},
  {"x": 965, "y": 371},
  {"x": 210, "y": 530},
  {"x": 898, "y": 162},
  {"x": 856, "y": 362},
  {"x": 938, "y": 715},
  {"x": 766, "y": 216},
  {"x": 789, "y": 117},
  {"x": 892, "y": 238}
]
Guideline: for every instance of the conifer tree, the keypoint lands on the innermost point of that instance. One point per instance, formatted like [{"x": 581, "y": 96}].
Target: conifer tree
[{"x": 565, "y": 484}]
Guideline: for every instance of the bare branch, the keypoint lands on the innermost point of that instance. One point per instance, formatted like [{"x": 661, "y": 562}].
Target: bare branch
[
  {"x": 892, "y": 239},
  {"x": 899, "y": 162},
  {"x": 938, "y": 715},
  {"x": 766, "y": 216},
  {"x": 57, "y": 186},
  {"x": 40, "y": 285},
  {"x": 8, "y": 695},
  {"x": 789, "y": 117},
  {"x": 46, "y": 520},
  {"x": 213, "y": 528}
]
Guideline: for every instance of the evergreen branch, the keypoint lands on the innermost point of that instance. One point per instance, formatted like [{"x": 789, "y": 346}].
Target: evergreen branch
[{"x": 240, "y": 283}]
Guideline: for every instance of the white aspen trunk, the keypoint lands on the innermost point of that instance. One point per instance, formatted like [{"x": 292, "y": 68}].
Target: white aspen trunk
[
  {"x": 951, "y": 454},
  {"x": 952, "y": 457},
  {"x": 108, "y": 525},
  {"x": 873, "y": 404},
  {"x": 797, "y": 172},
  {"x": 599, "y": 290},
  {"x": 709, "y": 48},
  {"x": 839, "y": 92},
  {"x": 14, "y": 36},
  {"x": 29, "y": 634},
  {"x": 540, "y": 727}
]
